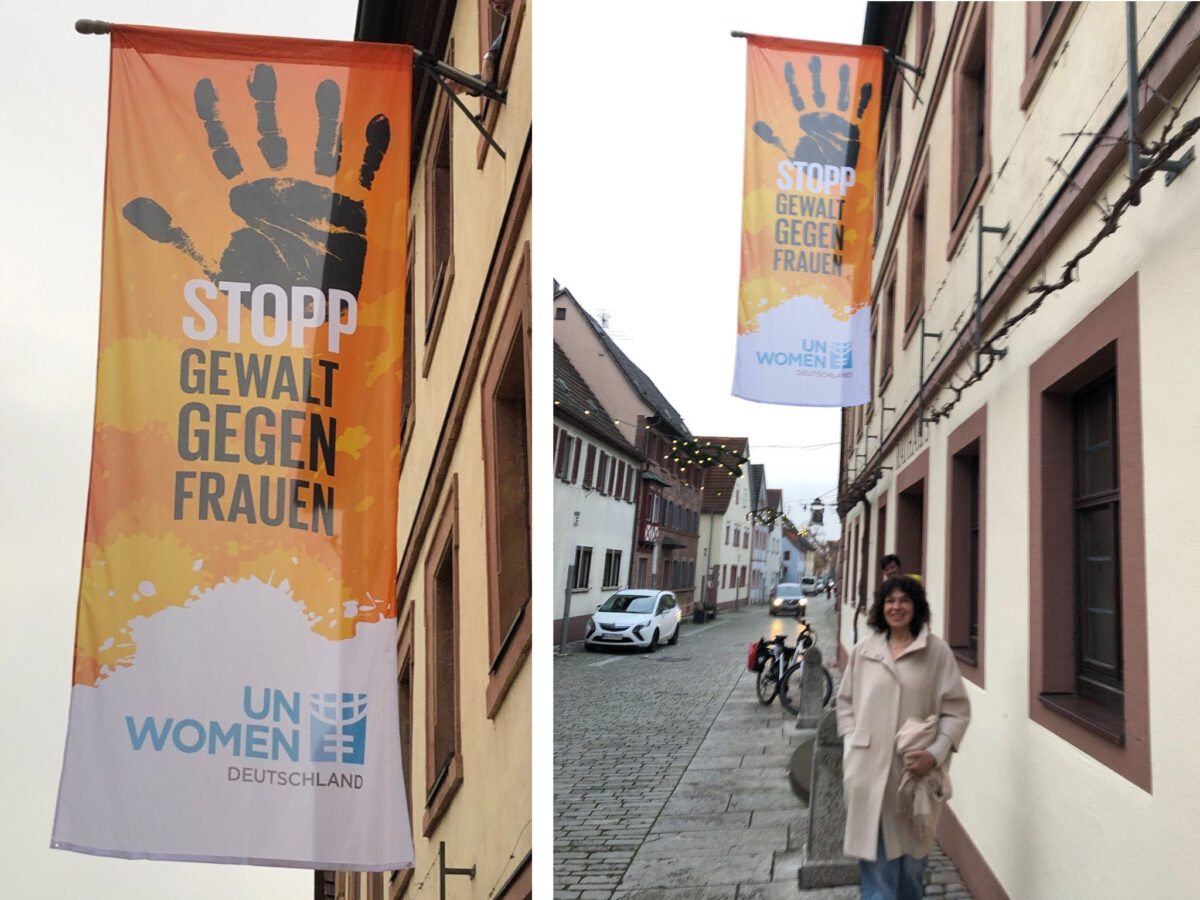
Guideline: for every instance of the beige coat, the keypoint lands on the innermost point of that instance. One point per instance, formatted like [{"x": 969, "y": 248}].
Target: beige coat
[{"x": 877, "y": 694}]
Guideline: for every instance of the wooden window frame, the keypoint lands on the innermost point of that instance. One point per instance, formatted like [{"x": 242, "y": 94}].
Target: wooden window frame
[
  {"x": 977, "y": 32},
  {"x": 1106, "y": 339},
  {"x": 1041, "y": 43},
  {"x": 918, "y": 249},
  {"x": 509, "y": 638},
  {"x": 887, "y": 327},
  {"x": 580, "y": 549},
  {"x": 911, "y": 543},
  {"x": 924, "y": 32},
  {"x": 438, "y": 284},
  {"x": 442, "y": 786},
  {"x": 398, "y": 880},
  {"x": 489, "y": 112},
  {"x": 966, "y": 452}
]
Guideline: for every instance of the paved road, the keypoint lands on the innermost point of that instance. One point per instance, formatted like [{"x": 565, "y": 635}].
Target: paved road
[
  {"x": 626, "y": 728},
  {"x": 671, "y": 779}
]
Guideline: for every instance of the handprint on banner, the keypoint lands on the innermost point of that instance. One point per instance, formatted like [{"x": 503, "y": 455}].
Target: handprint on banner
[
  {"x": 297, "y": 232},
  {"x": 826, "y": 137}
]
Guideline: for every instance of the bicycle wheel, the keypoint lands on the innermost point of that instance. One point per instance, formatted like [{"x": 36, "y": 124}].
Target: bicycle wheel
[
  {"x": 768, "y": 682},
  {"x": 789, "y": 690}
]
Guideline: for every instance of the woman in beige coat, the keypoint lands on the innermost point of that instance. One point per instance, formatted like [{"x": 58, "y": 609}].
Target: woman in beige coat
[{"x": 898, "y": 672}]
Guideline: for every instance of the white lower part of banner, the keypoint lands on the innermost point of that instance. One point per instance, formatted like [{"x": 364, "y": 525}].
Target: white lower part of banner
[
  {"x": 801, "y": 356},
  {"x": 239, "y": 735}
]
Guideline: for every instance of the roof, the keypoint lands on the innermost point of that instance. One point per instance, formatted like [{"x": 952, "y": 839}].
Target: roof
[
  {"x": 718, "y": 481},
  {"x": 574, "y": 400},
  {"x": 669, "y": 418},
  {"x": 775, "y": 499},
  {"x": 758, "y": 477}
]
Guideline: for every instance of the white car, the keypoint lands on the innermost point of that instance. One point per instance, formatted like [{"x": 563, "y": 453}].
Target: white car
[{"x": 634, "y": 618}]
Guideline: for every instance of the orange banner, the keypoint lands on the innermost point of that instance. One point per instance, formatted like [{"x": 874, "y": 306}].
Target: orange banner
[
  {"x": 240, "y": 542},
  {"x": 812, "y": 134}
]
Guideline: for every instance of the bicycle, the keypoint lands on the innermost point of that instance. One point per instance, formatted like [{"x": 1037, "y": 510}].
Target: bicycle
[{"x": 785, "y": 668}]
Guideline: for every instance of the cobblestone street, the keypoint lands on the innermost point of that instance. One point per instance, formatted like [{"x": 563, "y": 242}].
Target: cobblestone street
[{"x": 671, "y": 780}]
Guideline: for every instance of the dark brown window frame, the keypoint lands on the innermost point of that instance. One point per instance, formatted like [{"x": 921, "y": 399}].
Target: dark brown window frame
[
  {"x": 978, "y": 29},
  {"x": 489, "y": 112},
  {"x": 438, "y": 284},
  {"x": 966, "y": 452},
  {"x": 442, "y": 777},
  {"x": 923, "y": 12},
  {"x": 1041, "y": 43},
  {"x": 398, "y": 880},
  {"x": 509, "y": 641},
  {"x": 1105, "y": 339},
  {"x": 911, "y": 548},
  {"x": 917, "y": 223},
  {"x": 887, "y": 327}
]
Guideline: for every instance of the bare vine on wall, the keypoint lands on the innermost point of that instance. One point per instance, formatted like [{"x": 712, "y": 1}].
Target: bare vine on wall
[{"x": 1155, "y": 157}]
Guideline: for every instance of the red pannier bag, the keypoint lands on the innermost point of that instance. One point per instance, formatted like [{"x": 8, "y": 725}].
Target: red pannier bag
[{"x": 758, "y": 655}]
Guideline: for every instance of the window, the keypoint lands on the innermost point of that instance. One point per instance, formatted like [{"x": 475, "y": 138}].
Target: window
[
  {"x": 576, "y": 453},
  {"x": 439, "y": 225},
  {"x": 443, "y": 737},
  {"x": 562, "y": 455},
  {"x": 742, "y": 578},
  {"x": 399, "y": 880},
  {"x": 727, "y": 533},
  {"x": 787, "y": 554},
  {"x": 612, "y": 568},
  {"x": 1088, "y": 656},
  {"x": 888, "y": 334},
  {"x": 1045, "y": 26},
  {"x": 724, "y": 575},
  {"x": 506, "y": 489},
  {"x": 497, "y": 39},
  {"x": 965, "y": 545},
  {"x": 407, "y": 417},
  {"x": 602, "y": 474},
  {"x": 560, "y": 313},
  {"x": 894, "y": 117},
  {"x": 641, "y": 572},
  {"x": 910, "y": 514},
  {"x": 914, "y": 305},
  {"x": 970, "y": 161},
  {"x": 1097, "y": 501},
  {"x": 924, "y": 32},
  {"x": 588, "y": 466},
  {"x": 583, "y": 568}
]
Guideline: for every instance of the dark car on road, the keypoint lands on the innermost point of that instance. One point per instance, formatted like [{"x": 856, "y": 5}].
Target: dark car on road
[{"x": 788, "y": 599}]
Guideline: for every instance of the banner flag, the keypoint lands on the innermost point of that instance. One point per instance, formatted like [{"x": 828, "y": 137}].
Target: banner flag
[
  {"x": 234, "y": 695},
  {"x": 804, "y": 299}
]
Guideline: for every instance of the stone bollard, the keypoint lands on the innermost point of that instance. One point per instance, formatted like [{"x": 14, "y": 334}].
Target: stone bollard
[
  {"x": 812, "y": 690},
  {"x": 824, "y": 863}
]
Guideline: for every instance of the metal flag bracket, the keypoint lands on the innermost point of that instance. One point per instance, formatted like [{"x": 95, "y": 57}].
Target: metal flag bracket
[
  {"x": 444, "y": 870},
  {"x": 921, "y": 420},
  {"x": 437, "y": 69},
  {"x": 1171, "y": 168}
]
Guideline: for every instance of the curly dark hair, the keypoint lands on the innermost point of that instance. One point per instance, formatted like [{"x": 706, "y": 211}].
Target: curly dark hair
[{"x": 912, "y": 589}]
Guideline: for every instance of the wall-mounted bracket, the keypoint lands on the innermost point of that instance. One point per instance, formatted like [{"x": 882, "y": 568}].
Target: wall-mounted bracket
[
  {"x": 921, "y": 420},
  {"x": 980, "y": 231},
  {"x": 903, "y": 64},
  {"x": 1171, "y": 168},
  {"x": 444, "y": 870}
]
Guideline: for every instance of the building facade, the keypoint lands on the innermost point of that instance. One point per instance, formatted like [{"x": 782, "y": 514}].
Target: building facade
[
  {"x": 463, "y": 586},
  {"x": 1031, "y": 363},
  {"x": 597, "y": 492},
  {"x": 668, "y": 514},
  {"x": 726, "y": 532}
]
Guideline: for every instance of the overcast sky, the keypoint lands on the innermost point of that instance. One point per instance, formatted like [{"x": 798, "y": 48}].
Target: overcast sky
[
  {"x": 637, "y": 211},
  {"x": 53, "y": 101},
  {"x": 640, "y": 116}
]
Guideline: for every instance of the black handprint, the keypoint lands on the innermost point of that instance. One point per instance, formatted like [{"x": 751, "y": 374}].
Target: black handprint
[
  {"x": 826, "y": 137},
  {"x": 297, "y": 232}
]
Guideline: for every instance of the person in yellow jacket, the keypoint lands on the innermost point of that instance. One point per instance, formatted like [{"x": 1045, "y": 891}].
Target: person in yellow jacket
[{"x": 892, "y": 567}]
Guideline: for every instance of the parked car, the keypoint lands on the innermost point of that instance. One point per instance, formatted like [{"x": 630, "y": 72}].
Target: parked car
[
  {"x": 634, "y": 618},
  {"x": 788, "y": 599},
  {"x": 808, "y": 584}
]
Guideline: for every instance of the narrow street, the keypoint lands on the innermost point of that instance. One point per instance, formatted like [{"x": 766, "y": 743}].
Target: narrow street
[{"x": 671, "y": 779}]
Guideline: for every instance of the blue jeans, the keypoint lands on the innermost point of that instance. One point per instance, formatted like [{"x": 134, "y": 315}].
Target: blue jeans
[{"x": 896, "y": 879}]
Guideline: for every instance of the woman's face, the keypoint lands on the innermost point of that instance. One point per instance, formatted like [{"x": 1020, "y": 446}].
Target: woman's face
[{"x": 898, "y": 610}]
